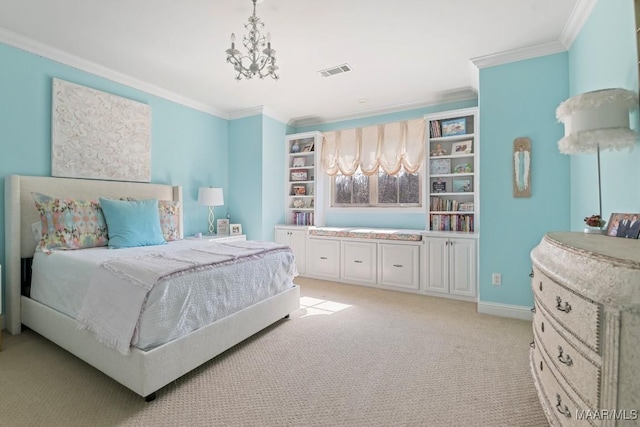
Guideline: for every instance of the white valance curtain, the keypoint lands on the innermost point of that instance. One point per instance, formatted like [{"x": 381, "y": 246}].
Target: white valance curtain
[{"x": 388, "y": 146}]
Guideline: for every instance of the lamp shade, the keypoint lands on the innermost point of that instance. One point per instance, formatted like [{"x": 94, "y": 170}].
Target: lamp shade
[
  {"x": 209, "y": 196},
  {"x": 597, "y": 120}
]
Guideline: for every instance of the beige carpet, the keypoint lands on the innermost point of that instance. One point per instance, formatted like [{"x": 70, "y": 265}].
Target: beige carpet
[{"x": 354, "y": 356}]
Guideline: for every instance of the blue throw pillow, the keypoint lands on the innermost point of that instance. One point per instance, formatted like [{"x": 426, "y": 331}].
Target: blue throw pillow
[{"x": 132, "y": 223}]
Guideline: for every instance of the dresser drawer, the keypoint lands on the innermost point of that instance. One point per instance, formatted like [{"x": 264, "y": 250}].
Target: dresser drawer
[
  {"x": 562, "y": 405},
  {"x": 578, "y": 314},
  {"x": 581, "y": 373}
]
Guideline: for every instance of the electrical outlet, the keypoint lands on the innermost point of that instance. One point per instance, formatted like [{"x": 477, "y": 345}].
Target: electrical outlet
[{"x": 496, "y": 279}]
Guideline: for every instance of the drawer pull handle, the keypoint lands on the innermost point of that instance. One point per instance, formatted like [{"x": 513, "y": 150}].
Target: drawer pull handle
[
  {"x": 542, "y": 326},
  {"x": 531, "y": 274},
  {"x": 397, "y": 265},
  {"x": 563, "y": 357},
  {"x": 564, "y": 411},
  {"x": 541, "y": 285},
  {"x": 566, "y": 307},
  {"x": 323, "y": 257},
  {"x": 357, "y": 261}
]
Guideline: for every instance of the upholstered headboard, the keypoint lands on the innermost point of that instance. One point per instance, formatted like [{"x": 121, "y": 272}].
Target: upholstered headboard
[{"x": 20, "y": 213}]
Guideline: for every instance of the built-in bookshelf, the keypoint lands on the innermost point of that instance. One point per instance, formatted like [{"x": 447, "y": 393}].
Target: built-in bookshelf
[
  {"x": 302, "y": 187},
  {"x": 452, "y": 167}
]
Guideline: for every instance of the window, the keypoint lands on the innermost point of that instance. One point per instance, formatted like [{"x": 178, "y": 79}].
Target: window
[{"x": 378, "y": 190}]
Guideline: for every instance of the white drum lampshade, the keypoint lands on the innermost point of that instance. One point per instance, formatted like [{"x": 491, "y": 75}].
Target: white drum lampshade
[
  {"x": 595, "y": 121},
  {"x": 210, "y": 196}
]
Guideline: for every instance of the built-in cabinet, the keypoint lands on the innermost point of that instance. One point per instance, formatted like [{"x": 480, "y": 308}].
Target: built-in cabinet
[
  {"x": 359, "y": 262},
  {"x": 452, "y": 170},
  {"x": 296, "y": 239},
  {"x": 449, "y": 265}
]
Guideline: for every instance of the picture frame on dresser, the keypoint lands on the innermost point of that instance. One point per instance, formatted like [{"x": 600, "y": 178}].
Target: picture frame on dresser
[
  {"x": 626, "y": 225},
  {"x": 236, "y": 229}
]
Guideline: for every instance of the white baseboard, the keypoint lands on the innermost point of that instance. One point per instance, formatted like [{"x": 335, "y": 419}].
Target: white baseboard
[{"x": 505, "y": 310}]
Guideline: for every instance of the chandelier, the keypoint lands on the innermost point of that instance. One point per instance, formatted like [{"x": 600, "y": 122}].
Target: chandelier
[{"x": 260, "y": 60}]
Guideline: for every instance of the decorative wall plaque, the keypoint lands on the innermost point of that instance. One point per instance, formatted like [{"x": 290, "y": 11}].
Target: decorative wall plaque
[{"x": 98, "y": 135}]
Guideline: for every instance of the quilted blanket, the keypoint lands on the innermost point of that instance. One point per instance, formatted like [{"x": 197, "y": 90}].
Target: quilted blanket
[{"x": 118, "y": 290}]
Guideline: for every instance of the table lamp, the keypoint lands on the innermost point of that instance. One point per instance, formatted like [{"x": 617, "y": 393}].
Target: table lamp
[
  {"x": 595, "y": 121},
  {"x": 209, "y": 196}
]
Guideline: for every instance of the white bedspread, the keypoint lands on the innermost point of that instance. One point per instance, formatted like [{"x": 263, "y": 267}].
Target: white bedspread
[{"x": 122, "y": 305}]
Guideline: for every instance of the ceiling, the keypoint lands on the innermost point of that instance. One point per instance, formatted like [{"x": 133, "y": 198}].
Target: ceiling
[{"x": 404, "y": 53}]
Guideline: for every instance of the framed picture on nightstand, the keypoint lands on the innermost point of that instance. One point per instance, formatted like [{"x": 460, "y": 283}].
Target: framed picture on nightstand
[
  {"x": 236, "y": 229},
  {"x": 223, "y": 226}
]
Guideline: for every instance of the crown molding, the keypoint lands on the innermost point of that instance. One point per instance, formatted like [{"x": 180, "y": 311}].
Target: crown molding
[
  {"x": 581, "y": 12},
  {"x": 255, "y": 111},
  {"x": 518, "y": 54},
  {"x": 443, "y": 98},
  {"x": 57, "y": 55}
]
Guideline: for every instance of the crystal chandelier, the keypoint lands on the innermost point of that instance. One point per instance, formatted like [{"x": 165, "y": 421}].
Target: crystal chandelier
[{"x": 260, "y": 60}]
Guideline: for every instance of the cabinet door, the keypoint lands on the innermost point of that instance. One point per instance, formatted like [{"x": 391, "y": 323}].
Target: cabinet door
[
  {"x": 282, "y": 236},
  {"x": 296, "y": 240},
  {"x": 462, "y": 267},
  {"x": 436, "y": 260},
  {"x": 359, "y": 262},
  {"x": 324, "y": 258},
  {"x": 398, "y": 265}
]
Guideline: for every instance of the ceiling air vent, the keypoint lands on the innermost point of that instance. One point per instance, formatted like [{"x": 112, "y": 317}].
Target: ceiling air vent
[{"x": 328, "y": 72}]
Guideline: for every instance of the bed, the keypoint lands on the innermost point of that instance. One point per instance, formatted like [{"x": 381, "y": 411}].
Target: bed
[{"x": 144, "y": 371}]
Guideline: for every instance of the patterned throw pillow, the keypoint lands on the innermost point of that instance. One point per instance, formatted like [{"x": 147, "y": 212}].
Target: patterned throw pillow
[
  {"x": 70, "y": 224},
  {"x": 169, "y": 219}
]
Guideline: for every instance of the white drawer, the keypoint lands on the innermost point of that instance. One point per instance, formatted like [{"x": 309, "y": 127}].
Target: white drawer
[
  {"x": 398, "y": 265},
  {"x": 323, "y": 258},
  {"x": 581, "y": 373},
  {"x": 359, "y": 261},
  {"x": 563, "y": 405},
  {"x": 579, "y": 315}
]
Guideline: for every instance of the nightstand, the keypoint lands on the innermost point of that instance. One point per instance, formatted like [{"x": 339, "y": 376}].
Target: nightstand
[{"x": 219, "y": 238}]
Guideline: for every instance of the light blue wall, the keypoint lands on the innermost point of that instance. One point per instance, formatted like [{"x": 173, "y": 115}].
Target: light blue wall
[
  {"x": 273, "y": 179},
  {"x": 188, "y": 147},
  {"x": 604, "y": 56},
  {"x": 386, "y": 220},
  {"x": 519, "y": 100},
  {"x": 245, "y": 182}
]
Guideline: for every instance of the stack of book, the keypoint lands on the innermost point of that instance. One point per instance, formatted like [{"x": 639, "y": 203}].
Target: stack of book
[
  {"x": 451, "y": 222},
  {"x": 303, "y": 218},
  {"x": 435, "y": 129}
]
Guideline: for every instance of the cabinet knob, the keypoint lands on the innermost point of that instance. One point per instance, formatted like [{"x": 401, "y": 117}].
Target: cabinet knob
[
  {"x": 532, "y": 344},
  {"x": 531, "y": 274},
  {"x": 357, "y": 261},
  {"x": 533, "y": 309},
  {"x": 563, "y": 357},
  {"x": 560, "y": 307},
  {"x": 323, "y": 257},
  {"x": 397, "y": 265},
  {"x": 563, "y": 410}
]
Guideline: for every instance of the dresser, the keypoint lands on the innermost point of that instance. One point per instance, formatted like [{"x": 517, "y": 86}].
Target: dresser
[{"x": 585, "y": 354}]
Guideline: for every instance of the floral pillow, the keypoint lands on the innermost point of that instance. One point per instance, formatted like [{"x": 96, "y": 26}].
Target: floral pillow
[
  {"x": 169, "y": 219},
  {"x": 70, "y": 224}
]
